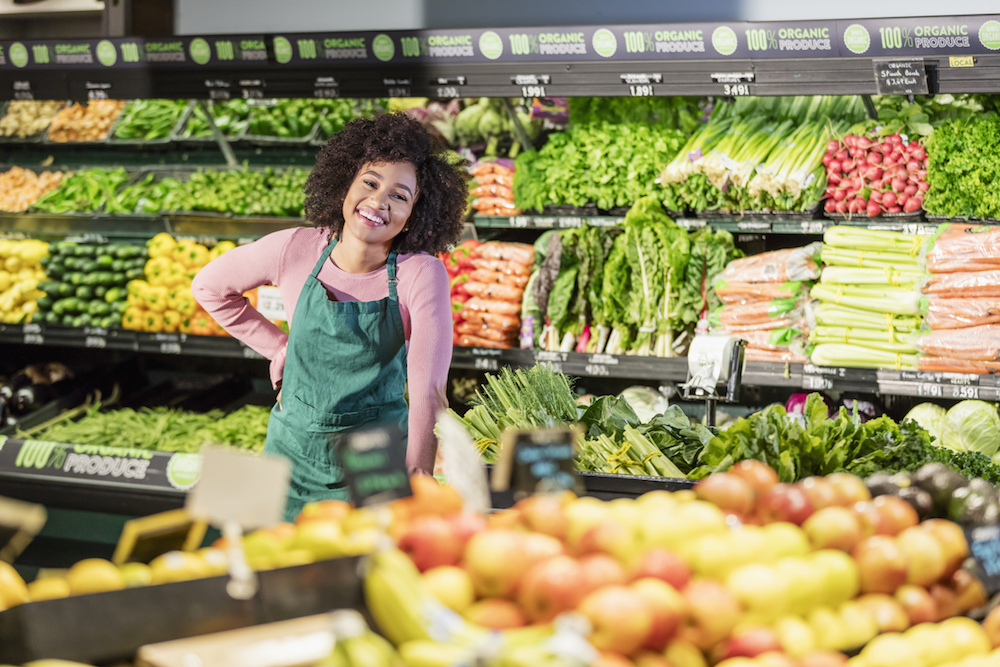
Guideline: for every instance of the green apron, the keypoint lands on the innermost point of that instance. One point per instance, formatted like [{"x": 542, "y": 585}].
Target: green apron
[{"x": 345, "y": 369}]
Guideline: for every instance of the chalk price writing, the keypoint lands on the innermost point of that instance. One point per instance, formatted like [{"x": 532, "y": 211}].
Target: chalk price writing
[
  {"x": 447, "y": 91},
  {"x": 485, "y": 364},
  {"x": 34, "y": 339},
  {"x": 735, "y": 89},
  {"x": 985, "y": 547},
  {"x": 930, "y": 389},
  {"x": 597, "y": 370},
  {"x": 532, "y": 91},
  {"x": 170, "y": 348},
  {"x": 97, "y": 94},
  {"x": 641, "y": 91},
  {"x": 398, "y": 91},
  {"x": 813, "y": 227},
  {"x": 965, "y": 392},
  {"x": 326, "y": 93},
  {"x": 816, "y": 382},
  {"x": 99, "y": 342}
]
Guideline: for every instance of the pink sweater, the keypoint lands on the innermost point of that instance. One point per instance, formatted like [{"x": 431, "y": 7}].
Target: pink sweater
[{"x": 285, "y": 259}]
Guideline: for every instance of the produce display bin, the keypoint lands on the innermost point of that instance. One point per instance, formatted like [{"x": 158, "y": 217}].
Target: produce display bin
[
  {"x": 106, "y": 627},
  {"x": 203, "y": 142},
  {"x": 36, "y": 138},
  {"x": 159, "y": 141}
]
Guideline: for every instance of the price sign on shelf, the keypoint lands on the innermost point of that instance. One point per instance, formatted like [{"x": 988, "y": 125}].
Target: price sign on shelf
[
  {"x": 374, "y": 463},
  {"x": 538, "y": 461},
  {"x": 895, "y": 76},
  {"x": 19, "y": 523}
]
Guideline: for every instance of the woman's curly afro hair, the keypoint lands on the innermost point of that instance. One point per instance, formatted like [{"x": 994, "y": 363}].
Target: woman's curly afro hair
[{"x": 442, "y": 193}]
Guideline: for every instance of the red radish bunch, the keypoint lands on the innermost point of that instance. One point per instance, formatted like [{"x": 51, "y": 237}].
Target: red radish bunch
[{"x": 871, "y": 176}]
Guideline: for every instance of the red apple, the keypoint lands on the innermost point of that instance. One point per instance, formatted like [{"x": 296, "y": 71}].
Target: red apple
[
  {"x": 545, "y": 513},
  {"x": 667, "y": 606},
  {"x": 889, "y": 614},
  {"x": 784, "y": 502},
  {"x": 600, "y": 570},
  {"x": 881, "y": 564},
  {"x": 496, "y": 614},
  {"x": 823, "y": 659},
  {"x": 760, "y": 475},
  {"x": 774, "y": 659},
  {"x": 969, "y": 591},
  {"x": 925, "y": 559},
  {"x": 431, "y": 541},
  {"x": 951, "y": 537},
  {"x": 713, "y": 613},
  {"x": 467, "y": 524},
  {"x": 834, "y": 528},
  {"x": 992, "y": 627},
  {"x": 897, "y": 515},
  {"x": 751, "y": 642},
  {"x": 728, "y": 492},
  {"x": 620, "y": 619},
  {"x": 820, "y": 492},
  {"x": 549, "y": 588},
  {"x": 945, "y": 600},
  {"x": 538, "y": 547},
  {"x": 612, "y": 659},
  {"x": 496, "y": 560},
  {"x": 608, "y": 537},
  {"x": 850, "y": 489},
  {"x": 664, "y": 564},
  {"x": 917, "y": 603}
]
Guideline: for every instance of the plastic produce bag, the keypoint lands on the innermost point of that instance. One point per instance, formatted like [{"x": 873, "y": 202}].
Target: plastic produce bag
[
  {"x": 980, "y": 343},
  {"x": 787, "y": 356},
  {"x": 959, "y": 313},
  {"x": 758, "y": 312},
  {"x": 518, "y": 253},
  {"x": 946, "y": 365},
  {"x": 778, "y": 266},
  {"x": 499, "y": 291},
  {"x": 741, "y": 293},
  {"x": 964, "y": 247},
  {"x": 964, "y": 284},
  {"x": 503, "y": 266},
  {"x": 497, "y": 278}
]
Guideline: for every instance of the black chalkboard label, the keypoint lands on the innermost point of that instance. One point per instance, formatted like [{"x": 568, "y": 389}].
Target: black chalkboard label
[
  {"x": 374, "y": 463},
  {"x": 895, "y": 76},
  {"x": 19, "y": 523},
  {"x": 538, "y": 461},
  {"x": 984, "y": 546},
  {"x": 147, "y": 537}
]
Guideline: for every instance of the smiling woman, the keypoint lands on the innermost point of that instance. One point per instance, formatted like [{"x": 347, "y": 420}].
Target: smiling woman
[{"x": 366, "y": 301}]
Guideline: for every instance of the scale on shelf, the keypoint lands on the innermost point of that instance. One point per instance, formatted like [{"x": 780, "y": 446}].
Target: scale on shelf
[{"x": 715, "y": 372}]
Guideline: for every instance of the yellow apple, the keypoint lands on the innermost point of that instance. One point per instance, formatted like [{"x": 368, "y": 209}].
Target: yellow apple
[
  {"x": 451, "y": 586},
  {"x": 761, "y": 589},
  {"x": 796, "y": 636},
  {"x": 827, "y": 627},
  {"x": 786, "y": 539}
]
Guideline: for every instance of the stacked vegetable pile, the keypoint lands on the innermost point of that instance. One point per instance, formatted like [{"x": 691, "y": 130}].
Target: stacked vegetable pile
[
  {"x": 869, "y": 177},
  {"x": 86, "y": 283},
  {"x": 144, "y": 120},
  {"x": 763, "y": 301},
  {"x": 486, "y": 127},
  {"x": 869, "y": 299},
  {"x": 265, "y": 192},
  {"x": 84, "y": 191},
  {"x": 20, "y": 188},
  {"x": 962, "y": 302},
  {"x": 27, "y": 118},
  {"x": 682, "y": 113},
  {"x": 162, "y": 301},
  {"x": 487, "y": 289},
  {"x": 160, "y": 429},
  {"x": 493, "y": 194},
  {"x": 288, "y": 119},
  {"x": 758, "y": 155},
  {"x": 961, "y": 172},
  {"x": 603, "y": 165},
  {"x": 741, "y": 572},
  {"x": 20, "y": 273},
  {"x": 92, "y": 122}
]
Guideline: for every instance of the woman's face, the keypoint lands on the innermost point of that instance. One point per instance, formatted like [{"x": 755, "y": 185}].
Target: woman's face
[{"x": 379, "y": 201}]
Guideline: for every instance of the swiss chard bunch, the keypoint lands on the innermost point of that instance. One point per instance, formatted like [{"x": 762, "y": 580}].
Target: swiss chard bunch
[{"x": 711, "y": 251}]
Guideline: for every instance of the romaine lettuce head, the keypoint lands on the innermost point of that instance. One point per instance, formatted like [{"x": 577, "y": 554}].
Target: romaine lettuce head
[{"x": 976, "y": 427}]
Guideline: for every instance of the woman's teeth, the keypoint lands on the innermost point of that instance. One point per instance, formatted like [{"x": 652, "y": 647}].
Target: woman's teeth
[{"x": 377, "y": 220}]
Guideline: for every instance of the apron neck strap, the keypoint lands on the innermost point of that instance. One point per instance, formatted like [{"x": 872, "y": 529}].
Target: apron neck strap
[{"x": 390, "y": 265}]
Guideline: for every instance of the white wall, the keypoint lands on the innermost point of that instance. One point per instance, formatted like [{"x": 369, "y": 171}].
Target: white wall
[{"x": 244, "y": 16}]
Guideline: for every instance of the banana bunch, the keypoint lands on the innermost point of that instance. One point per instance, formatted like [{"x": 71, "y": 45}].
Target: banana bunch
[
  {"x": 430, "y": 635},
  {"x": 357, "y": 646}
]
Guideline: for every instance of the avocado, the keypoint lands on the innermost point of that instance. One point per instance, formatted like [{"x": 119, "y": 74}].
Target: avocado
[
  {"x": 881, "y": 484},
  {"x": 919, "y": 499},
  {"x": 968, "y": 504},
  {"x": 902, "y": 479},
  {"x": 941, "y": 482}
]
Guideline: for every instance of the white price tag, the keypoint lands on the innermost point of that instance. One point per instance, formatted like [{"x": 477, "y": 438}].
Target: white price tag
[
  {"x": 269, "y": 303},
  {"x": 241, "y": 488},
  {"x": 463, "y": 465}
]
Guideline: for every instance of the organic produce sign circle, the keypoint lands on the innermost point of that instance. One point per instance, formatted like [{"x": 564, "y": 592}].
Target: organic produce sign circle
[
  {"x": 282, "y": 50},
  {"x": 857, "y": 39},
  {"x": 491, "y": 45},
  {"x": 605, "y": 43},
  {"x": 724, "y": 40},
  {"x": 383, "y": 47},
  {"x": 107, "y": 54},
  {"x": 989, "y": 35}
]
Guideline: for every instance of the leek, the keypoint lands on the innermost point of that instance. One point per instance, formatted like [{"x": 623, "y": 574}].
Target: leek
[
  {"x": 839, "y": 354},
  {"x": 895, "y": 300}
]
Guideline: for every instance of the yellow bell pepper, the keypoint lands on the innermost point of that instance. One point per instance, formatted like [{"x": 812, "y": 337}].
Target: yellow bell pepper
[
  {"x": 196, "y": 256},
  {"x": 161, "y": 245},
  {"x": 220, "y": 248},
  {"x": 132, "y": 319},
  {"x": 152, "y": 322},
  {"x": 155, "y": 298},
  {"x": 171, "y": 321},
  {"x": 157, "y": 270},
  {"x": 183, "y": 302},
  {"x": 180, "y": 250},
  {"x": 176, "y": 275},
  {"x": 186, "y": 322}
]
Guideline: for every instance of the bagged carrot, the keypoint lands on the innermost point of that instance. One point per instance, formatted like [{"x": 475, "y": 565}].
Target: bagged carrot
[
  {"x": 521, "y": 253},
  {"x": 468, "y": 340},
  {"x": 741, "y": 293},
  {"x": 495, "y": 291},
  {"x": 964, "y": 284},
  {"x": 946, "y": 365},
  {"x": 503, "y": 266},
  {"x": 494, "y": 190},
  {"x": 496, "y": 335},
  {"x": 756, "y": 312},
  {"x": 493, "y": 320},
  {"x": 493, "y": 306},
  {"x": 777, "y": 266},
  {"x": 958, "y": 313},
  {"x": 758, "y": 354},
  {"x": 981, "y": 343},
  {"x": 518, "y": 280}
]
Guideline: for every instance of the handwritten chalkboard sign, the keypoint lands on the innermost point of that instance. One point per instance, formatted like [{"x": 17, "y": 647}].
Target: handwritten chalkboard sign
[
  {"x": 147, "y": 537},
  {"x": 539, "y": 461},
  {"x": 984, "y": 546},
  {"x": 19, "y": 523},
  {"x": 374, "y": 463},
  {"x": 894, "y": 76}
]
